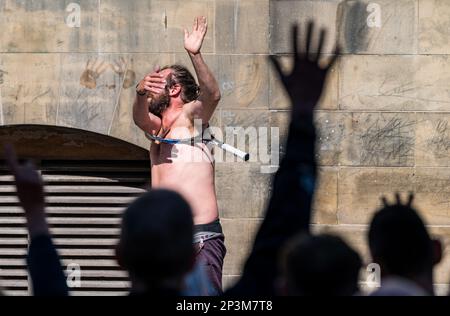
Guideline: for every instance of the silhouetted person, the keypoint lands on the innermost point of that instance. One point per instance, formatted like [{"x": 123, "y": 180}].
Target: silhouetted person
[
  {"x": 155, "y": 244},
  {"x": 289, "y": 210},
  {"x": 43, "y": 263},
  {"x": 399, "y": 242},
  {"x": 322, "y": 265}
]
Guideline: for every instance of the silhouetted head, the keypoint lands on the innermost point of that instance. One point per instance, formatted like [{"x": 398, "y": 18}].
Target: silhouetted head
[
  {"x": 400, "y": 244},
  {"x": 180, "y": 84},
  {"x": 156, "y": 241},
  {"x": 322, "y": 265}
]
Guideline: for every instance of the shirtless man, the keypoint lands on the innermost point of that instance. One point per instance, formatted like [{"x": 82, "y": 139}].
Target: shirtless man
[{"x": 167, "y": 103}]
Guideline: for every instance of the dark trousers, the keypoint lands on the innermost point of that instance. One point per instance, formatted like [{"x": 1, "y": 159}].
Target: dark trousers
[{"x": 210, "y": 255}]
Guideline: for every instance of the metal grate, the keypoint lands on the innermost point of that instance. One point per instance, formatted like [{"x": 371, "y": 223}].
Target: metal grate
[{"x": 85, "y": 201}]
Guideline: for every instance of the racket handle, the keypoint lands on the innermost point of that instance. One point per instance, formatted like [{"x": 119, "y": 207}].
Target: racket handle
[{"x": 243, "y": 155}]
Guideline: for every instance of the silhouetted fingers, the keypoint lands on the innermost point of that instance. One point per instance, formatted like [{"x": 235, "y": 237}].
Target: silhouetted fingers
[
  {"x": 336, "y": 54},
  {"x": 322, "y": 37},
  {"x": 309, "y": 33},
  {"x": 410, "y": 198},
  {"x": 397, "y": 198},
  {"x": 276, "y": 65},
  {"x": 385, "y": 201},
  {"x": 295, "y": 29}
]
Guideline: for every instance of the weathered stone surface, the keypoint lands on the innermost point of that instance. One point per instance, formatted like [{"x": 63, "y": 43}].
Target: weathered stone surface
[
  {"x": 378, "y": 27},
  {"x": 280, "y": 119},
  {"x": 29, "y": 88},
  {"x": 40, "y": 26},
  {"x": 394, "y": 83},
  {"x": 360, "y": 190},
  {"x": 284, "y": 13},
  {"x": 239, "y": 237},
  {"x": 441, "y": 289},
  {"x": 242, "y": 190},
  {"x": 246, "y": 130},
  {"x": 379, "y": 139},
  {"x": 331, "y": 133},
  {"x": 326, "y": 197},
  {"x": 241, "y": 26},
  {"x": 89, "y": 94},
  {"x": 434, "y": 27},
  {"x": 433, "y": 140},
  {"x": 243, "y": 80},
  {"x": 330, "y": 128},
  {"x": 432, "y": 188},
  {"x": 278, "y": 97},
  {"x": 229, "y": 280},
  {"x": 151, "y": 26}
]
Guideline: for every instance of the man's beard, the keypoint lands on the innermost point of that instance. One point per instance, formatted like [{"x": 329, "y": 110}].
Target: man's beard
[{"x": 159, "y": 104}]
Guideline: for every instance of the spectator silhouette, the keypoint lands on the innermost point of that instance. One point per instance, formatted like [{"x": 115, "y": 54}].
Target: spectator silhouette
[
  {"x": 43, "y": 262},
  {"x": 155, "y": 244},
  {"x": 399, "y": 242},
  {"x": 289, "y": 209},
  {"x": 322, "y": 265}
]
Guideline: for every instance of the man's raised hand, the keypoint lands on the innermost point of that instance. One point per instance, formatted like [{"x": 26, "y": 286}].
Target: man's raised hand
[{"x": 193, "y": 41}]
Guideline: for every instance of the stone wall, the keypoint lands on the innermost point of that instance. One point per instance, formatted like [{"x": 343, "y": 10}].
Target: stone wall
[{"x": 383, "y": 120}]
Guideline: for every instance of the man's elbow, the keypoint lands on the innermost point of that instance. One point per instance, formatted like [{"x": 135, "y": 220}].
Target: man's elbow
[{"x": 138, "y": 122}]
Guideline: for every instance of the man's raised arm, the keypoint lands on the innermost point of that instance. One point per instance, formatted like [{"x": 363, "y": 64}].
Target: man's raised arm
[
  {"x": 145, "y": 120},
  {"x": 209, "y": 95}
]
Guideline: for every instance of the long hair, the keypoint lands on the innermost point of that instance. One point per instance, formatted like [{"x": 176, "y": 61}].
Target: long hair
[{"x": 182, "y": 76}]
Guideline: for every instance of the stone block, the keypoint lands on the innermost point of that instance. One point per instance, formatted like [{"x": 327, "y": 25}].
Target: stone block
[
  {"x": 433, "y": 140},
  {"x": 378, "y": 27},
  {"x": 46, "y": 26},
  {"x": 434, "y": 27},
  {"x": 394, "y": 83},
  {"x": 379, "y": 140},
  {"x": 151, "y": 26},
  {"x": 326, "y": 197},
  {"x": 239, "y": 237},
  {"x": 284, "y": 13},
  {"x": 242, "y": 26},
  {"x": 242, "y": 190},
  {"x": 29, "y": 88}
]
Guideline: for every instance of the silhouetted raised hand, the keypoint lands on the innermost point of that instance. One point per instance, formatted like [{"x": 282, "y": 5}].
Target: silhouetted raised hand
[
  {"x": 30, "y": 191},
  {"x": 305, "y": 82}
]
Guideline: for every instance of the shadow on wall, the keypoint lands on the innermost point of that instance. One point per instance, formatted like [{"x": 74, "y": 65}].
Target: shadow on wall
[{"x": 352, "y": 26}]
